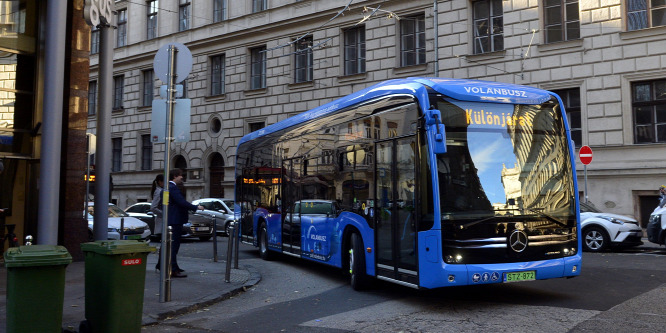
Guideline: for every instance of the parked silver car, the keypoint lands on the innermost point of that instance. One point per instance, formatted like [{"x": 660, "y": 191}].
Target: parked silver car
[
  {"x": 141, "y": 210},
  {"x": 220, "y": 208},
  {"x": 197, "y": 226}
]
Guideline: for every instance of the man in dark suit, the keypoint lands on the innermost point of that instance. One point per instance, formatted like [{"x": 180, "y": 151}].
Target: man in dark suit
[{"x": 178, "y": 208}]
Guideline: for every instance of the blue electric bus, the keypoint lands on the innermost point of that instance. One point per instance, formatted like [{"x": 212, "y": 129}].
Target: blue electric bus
[{"x": 424, "y": 182}]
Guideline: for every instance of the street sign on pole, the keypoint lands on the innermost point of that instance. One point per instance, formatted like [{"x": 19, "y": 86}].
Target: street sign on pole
[
  {"x": 181, "y": 120},
  {"x": 183, "y": 63},
  {"x": 585, "y": 155}
]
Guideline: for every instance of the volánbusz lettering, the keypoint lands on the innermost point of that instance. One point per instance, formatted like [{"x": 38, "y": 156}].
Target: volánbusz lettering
[{"x": 496, "y": 91}]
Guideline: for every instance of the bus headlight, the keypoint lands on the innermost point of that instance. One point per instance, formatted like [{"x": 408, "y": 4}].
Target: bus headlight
[
  {"x": 457, "y": 259},
  {"x": 569, "y": 252}
]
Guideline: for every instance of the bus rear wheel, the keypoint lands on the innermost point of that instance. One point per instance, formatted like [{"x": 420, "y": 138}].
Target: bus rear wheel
[
  {"x": 357, "y": 277},
  {"x": 263, "y": 243}
]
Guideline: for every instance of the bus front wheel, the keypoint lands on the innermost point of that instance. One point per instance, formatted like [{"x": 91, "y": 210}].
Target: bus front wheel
[
  {"x": 357, "y": 263},
  {"x": 263, "y": 243}
]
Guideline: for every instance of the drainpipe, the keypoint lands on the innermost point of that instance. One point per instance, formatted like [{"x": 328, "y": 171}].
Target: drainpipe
[
  {"x": 54, "y": 75},
  {"x": 436, "y": 29}
]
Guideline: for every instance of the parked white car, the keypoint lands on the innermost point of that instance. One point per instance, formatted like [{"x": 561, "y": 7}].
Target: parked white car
[
  {"x": 656, "y": 228},
  {"x": 133, "y": 227},
  {"x": 601, "y": 231}
]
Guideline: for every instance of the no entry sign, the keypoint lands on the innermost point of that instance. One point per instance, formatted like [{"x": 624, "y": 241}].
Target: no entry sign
[{"x": 585, "y": 155}]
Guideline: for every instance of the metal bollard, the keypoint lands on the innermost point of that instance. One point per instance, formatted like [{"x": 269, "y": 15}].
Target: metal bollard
[
  {"x": 214, "y": 240},
  {"x": 227, "y": 275},
  {"x": 236, "y": 239},
  {"x": 165, "y": 289},
  {"x": 122, "y": 227}
]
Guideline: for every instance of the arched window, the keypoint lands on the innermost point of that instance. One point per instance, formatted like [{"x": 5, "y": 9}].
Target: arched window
[{"x": 216, "y": 176}]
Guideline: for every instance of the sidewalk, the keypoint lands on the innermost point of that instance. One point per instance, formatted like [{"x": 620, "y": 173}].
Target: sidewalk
[{"x": 203, "y": 286}]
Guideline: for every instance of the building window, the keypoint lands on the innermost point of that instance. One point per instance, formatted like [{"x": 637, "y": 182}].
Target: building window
[
  {"x": 92, "y": 98},
  {"x": 303, "y": 60},
  {"x": 217, "y": 75},
  {"x": 648, "y": 101},
  {"x": 488, "y": 26},
  {"x": 255, "y": 126},
  {"x": 354, "y": 50},
  {"x": 148, "y": 87},
  {"x": 121, "y": 35},
  {"x": 146, "y": 152},
  {"x": 219, "y": 10},
  {"x": 184, "y": 15},
  {"x": 94, "y": 41},
  {"x": 258, "y": 5},
  {"x": 562, "y": 20},
  {"x": 258, "y": 68},
  {"x": 643, "y": 14},
  {"x": 412, "y": 40},
  {"x": 151, "y": 22},
  {"x": 571, "y": 100},
  {"x": 116, "y": 154},
  {"x": 118, "y": 88}
]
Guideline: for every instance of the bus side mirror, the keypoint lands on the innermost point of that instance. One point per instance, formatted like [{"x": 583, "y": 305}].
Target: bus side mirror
[{"x": 435, "y": 131}]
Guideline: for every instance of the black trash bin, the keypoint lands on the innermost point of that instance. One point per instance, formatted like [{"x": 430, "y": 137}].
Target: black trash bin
[
  {"x": 115, "y": 281},
  {"x": 35, "y": 287}
]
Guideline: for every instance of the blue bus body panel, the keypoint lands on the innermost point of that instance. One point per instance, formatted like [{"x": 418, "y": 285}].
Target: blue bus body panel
[
  {"x": 322, "y": 238},
  {"x": 445, "y": 275},
  {"x": 485, "y": 91},
  {"x": 273, "y": 228}
]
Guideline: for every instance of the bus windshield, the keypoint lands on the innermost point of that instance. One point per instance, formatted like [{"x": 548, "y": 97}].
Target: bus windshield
[{"x": 505, "y": 160}]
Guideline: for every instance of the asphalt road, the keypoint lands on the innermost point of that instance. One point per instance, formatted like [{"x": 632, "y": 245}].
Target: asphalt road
[{"x": 616, "y": 292}]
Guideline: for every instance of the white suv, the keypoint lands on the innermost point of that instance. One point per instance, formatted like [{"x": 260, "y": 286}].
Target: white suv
[{"x": 604, "y": 230}]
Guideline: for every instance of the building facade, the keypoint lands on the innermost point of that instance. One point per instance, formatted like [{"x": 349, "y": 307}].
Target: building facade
[{"x": 256, "y": 62}]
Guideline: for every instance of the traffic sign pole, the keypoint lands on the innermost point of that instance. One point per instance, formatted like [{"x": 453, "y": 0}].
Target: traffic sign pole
[
  {"x": 165, "y": 277},
  {"x": 172, "y": 64},
  {"x": 585, "y": 172},
  {"x": 585, "y": 156}
]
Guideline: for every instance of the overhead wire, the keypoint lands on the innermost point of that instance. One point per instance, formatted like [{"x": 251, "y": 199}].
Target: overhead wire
[{"x": 323, "y": 43}]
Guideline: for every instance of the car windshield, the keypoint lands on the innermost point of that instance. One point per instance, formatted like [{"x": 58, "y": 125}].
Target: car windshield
[
  {"x": 588, "y": 207},
  {"x": 114, "y": 211},
  {"x": 504, "y": 159},
  {"x": 230, "y": 204}
]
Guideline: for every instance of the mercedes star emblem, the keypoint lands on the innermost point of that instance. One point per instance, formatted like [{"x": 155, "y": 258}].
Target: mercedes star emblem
[{"x": 518, "y": 241}]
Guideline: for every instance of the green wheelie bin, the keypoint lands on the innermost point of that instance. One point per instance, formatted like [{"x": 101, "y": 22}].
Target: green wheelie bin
[
  {"x": 115, "y": 278},
  {"x": 36, "y": 287}
]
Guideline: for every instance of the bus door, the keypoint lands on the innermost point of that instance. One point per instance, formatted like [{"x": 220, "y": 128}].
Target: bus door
[
  {"x": 291, "y": 191},
  {"x": 395, "y": 238}
]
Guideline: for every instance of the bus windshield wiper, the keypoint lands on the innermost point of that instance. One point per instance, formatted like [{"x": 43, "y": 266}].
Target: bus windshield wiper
[
  {"x": 473, "y": 223},
  {"x": 547, "y": 216}
]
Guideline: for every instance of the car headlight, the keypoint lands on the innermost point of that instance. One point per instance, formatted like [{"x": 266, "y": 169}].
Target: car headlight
[
  {"x": 613, "y": 219},
  {"x": 656, "y": 218}
]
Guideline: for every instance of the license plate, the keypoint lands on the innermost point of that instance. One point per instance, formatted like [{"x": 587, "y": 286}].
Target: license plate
[
  {"x": 133, "y": 237},
  {"x": 519, "y": 276},
  {"x": 201, "y": 229}
]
